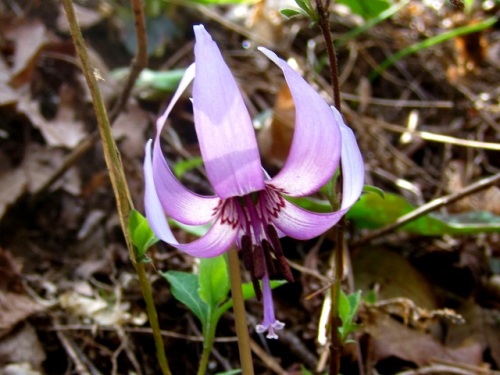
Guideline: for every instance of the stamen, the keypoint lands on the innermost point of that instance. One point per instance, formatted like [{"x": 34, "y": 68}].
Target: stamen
[
  {"x": 256, "y": 288},
  {"x": 285, "y": 269},
  {"x": 272, "y": 234},
  {"x": 259, "y": 262},
  {"x": 270, "y": 262},
  {"x": 246, "y": 252}
]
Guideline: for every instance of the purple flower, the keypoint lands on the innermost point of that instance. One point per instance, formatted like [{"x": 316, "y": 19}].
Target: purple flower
[{"x": 249, "y": 207}]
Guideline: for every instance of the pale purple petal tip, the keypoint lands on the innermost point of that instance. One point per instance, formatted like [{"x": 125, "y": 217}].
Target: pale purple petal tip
[
  {"x": 353, "y": 168},
  {"x": 223, "y": 124},
  {"x": 315, "y": 150}
]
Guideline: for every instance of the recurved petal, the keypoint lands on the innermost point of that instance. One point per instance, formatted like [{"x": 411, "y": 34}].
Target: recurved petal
[
  {"x": 216, "y": 241},
  {"x": 315, "y": 150},
  {"x": 301, "y": 224},
  {"x": 353, "y": 168},
  {"x": 223, "y": 125},
  {"x": 177, "y": 201}
]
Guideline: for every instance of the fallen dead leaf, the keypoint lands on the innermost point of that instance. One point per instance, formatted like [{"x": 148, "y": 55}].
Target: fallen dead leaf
[
  {"x": 13, "y": 184},
  {"x": 29, "y": 37},
  {"x": 62, "y": 131},
  {"x": 394, "y": 339},
  {"x": 275, "y": 138},
  {"x": 97, "y": 309},
  {"x": 39, "y": 164},
  {"x": 393, "y": 275},
  {"x": 22, "y": 347},
  {"x": 482, "y": 326},
  {"x": 129, "y": 128}
]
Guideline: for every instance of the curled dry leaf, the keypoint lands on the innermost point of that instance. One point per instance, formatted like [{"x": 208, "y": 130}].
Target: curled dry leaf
[
  {"x": 28, "y": 37},
  {"x": 62, "y": 131},
  {"x": 99, "y": 310},
  {"x": 275, "y": 137}
]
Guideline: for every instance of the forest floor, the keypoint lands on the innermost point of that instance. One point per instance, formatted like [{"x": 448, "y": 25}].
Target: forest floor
[{"x": 428, "y": 127}]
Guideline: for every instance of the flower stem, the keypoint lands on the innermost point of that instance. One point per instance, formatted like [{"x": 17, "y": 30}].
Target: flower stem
[
  {"x": 336, "y": 343},
  {"x": 117, "y": 177},
  {"x": 208, "y": 343},
  {"x": 239, "y": 313}
]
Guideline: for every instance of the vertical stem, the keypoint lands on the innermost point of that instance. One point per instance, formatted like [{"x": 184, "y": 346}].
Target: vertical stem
[
  {"x": 324, "y": 25},
  {"x": 336, "y": 343},
  {"x": 153, "y": 318},
  {"x": 335, "y": 340},
  {"x": 117, "y": 177},
  {"x": 239, "y": 313},
  {"x": 208, "y": 343}
]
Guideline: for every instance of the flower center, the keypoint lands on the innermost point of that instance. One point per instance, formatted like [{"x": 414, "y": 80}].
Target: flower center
[{"x": 259, "y": 241}]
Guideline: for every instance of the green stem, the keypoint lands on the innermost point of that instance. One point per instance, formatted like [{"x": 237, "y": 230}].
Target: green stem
[
  {"x": 153, "y": 317},
  {"x": 208, "y": 343},
  {"x": 117, "y": 177},
  {"x": 239, "y": 313}
]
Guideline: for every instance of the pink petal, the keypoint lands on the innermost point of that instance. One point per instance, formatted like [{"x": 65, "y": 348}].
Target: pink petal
[
  {"x": 223, "y": 125},
  {"x": 315, "y": 150},
  {"x": 178, "y": 202},
  {"x": 301, "y": 224},
  {"x": 216, "y": 241},
  {"x": 353, "y": 168}
]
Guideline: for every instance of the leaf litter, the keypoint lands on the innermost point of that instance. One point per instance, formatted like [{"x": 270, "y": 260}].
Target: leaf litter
[{"x": 75, "y": 303}]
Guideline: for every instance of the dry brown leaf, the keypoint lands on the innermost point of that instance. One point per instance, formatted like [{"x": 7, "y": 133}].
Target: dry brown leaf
[
  {"x": 394, "y": 276},
  {"x": 22, "y": 347},
  {"x": 275, "y": 138},
  {"x": 485, "y": 200},
  {"x": 29, "y": 37},
  {"x": 131, "y": 126},
  {"x": 62, "y": 131},
  {"x": 7, "y": 95},
  {"x": 392, "y": 338},
  {"x": 86, "y": 17},
  {"x": 481, "y": 326},
  {"x": 13, "y": 183}
]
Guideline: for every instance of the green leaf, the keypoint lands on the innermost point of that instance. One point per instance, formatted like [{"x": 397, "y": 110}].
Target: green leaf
[
  {"x": 214, "y": 280},
  {"x": 230, "y": 372},
  {"x": 140, "y": 233},
  {"x": 348, "y": 306},
  {"x": 222, "y": 2},
  {"x": 181, "y": 167},
  {"x": 153, "y": 84},
  {"x": 373, "y": 189},
  {"x": 248, "y": 292},
  {"x": 432, "y": 41},
  {"x": 372, "y": 212},
  {"x": 344, "y": 308},
  {"x": 366, "y": 8},
  {"x": 290, "y": 13},
  {"x": 185, "y": 289},
  {"x": 354, "y": 300}
]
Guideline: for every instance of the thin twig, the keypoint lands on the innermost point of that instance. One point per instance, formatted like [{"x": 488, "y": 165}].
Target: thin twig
[
  {"x": 324, "y": 25},
  {"x": 336, "y": 343},
  {"x": 139, "y": 62},
  {"x": 429, "y": 207},
  {"x": 117, "y": 177}
]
